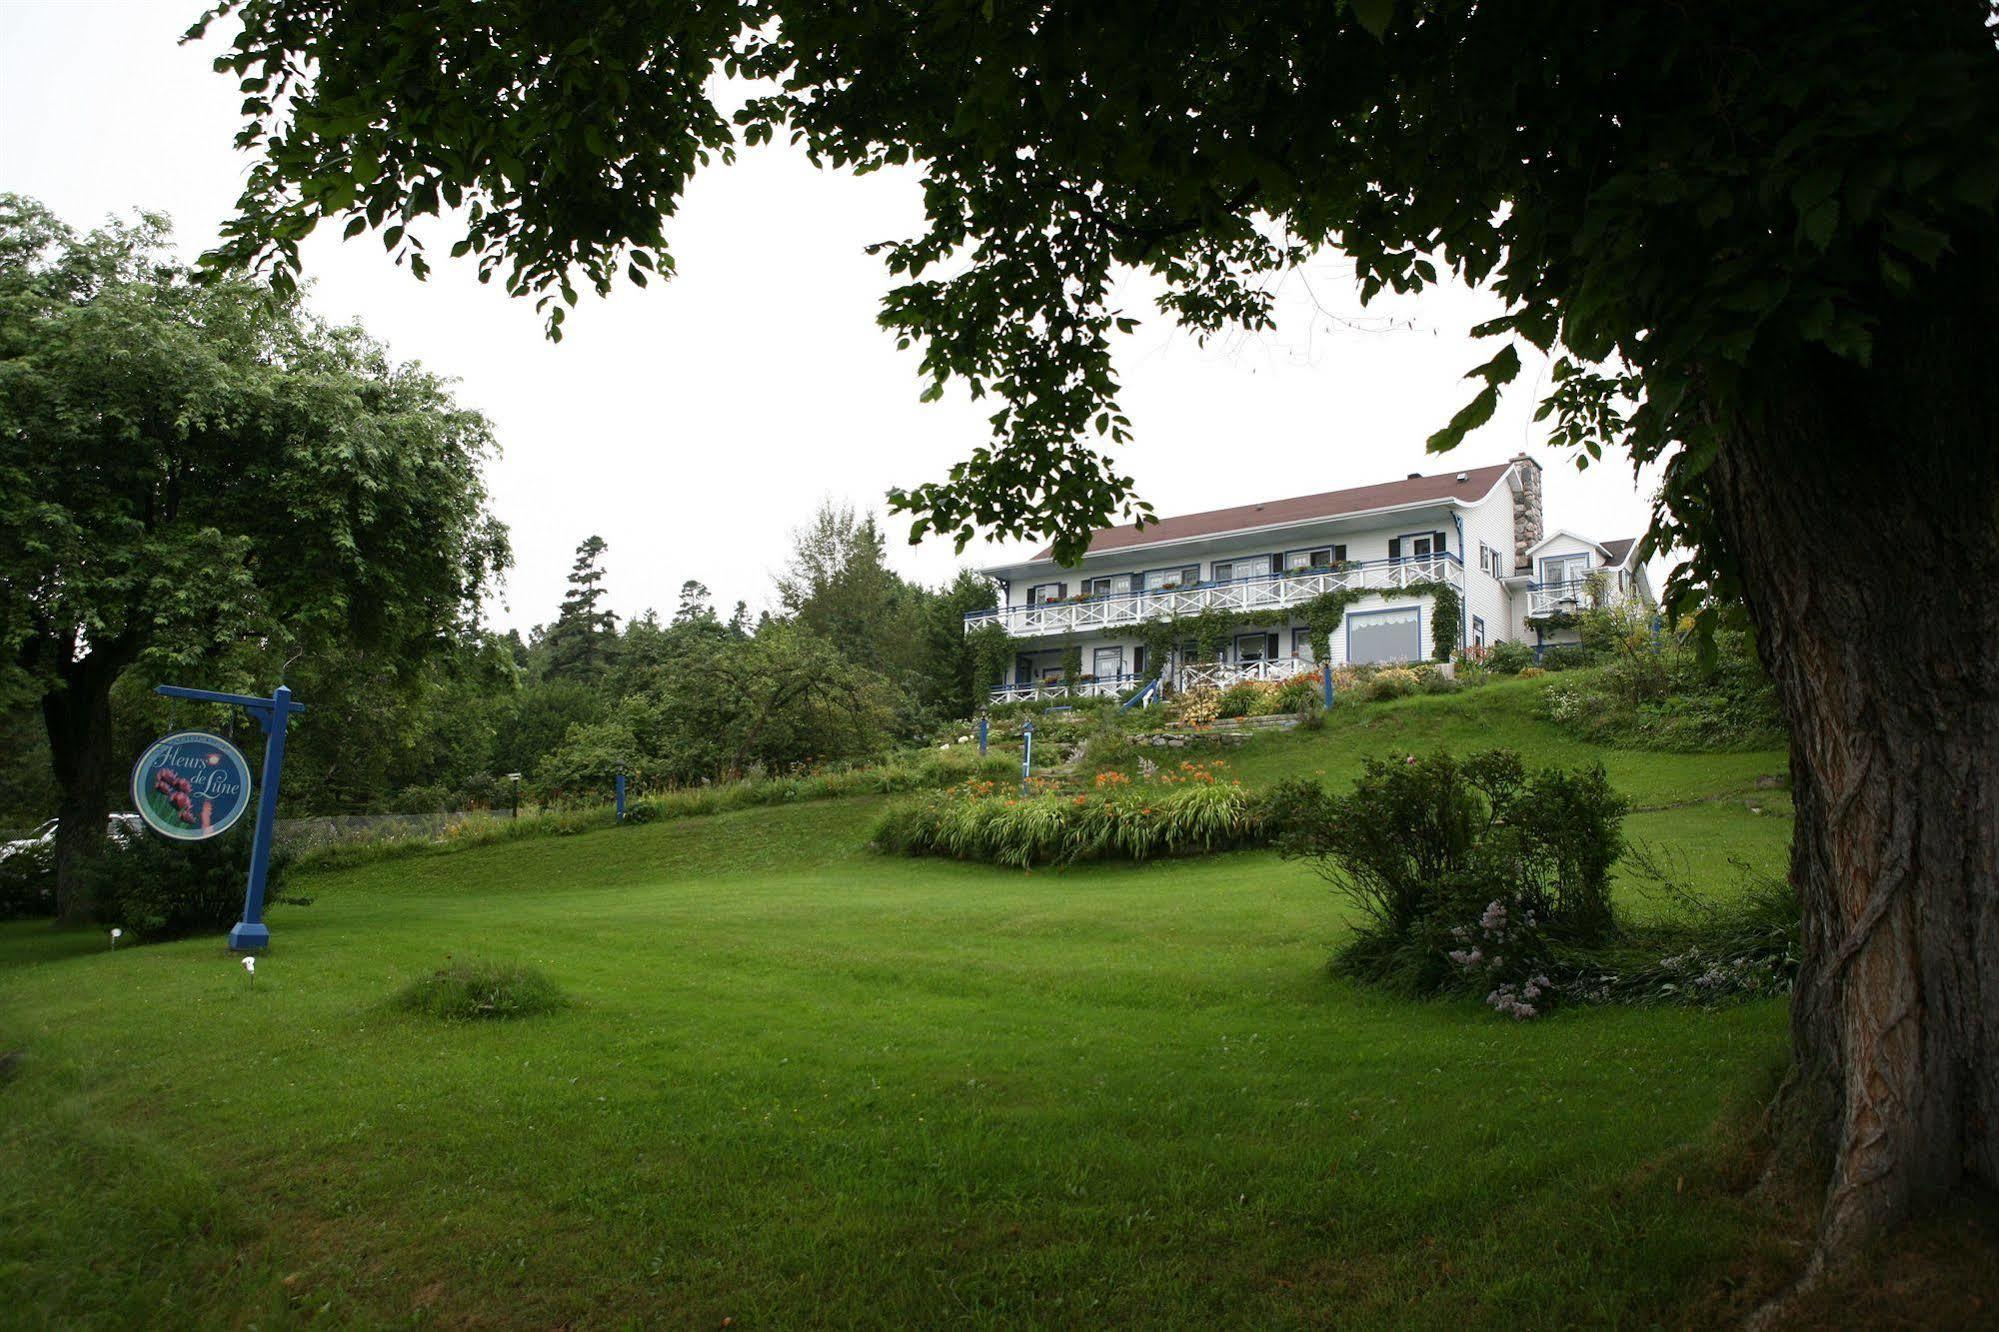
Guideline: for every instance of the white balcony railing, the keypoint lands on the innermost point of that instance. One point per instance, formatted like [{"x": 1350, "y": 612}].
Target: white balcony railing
[
  {"x": 1100, "y": 686},
  {"x": 1570, "y": 596},
  {"x": 1105, "y": 613},
  {"x": 1222, "y": 674}
]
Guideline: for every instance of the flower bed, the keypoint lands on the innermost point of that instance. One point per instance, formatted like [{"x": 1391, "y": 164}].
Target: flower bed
[{"x": 1191, "y": 809}]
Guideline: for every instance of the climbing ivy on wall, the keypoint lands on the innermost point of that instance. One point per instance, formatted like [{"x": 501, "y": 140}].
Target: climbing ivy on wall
[
  {"x": 1211, "y": 631},
  {"x": 992, "y": 651}
]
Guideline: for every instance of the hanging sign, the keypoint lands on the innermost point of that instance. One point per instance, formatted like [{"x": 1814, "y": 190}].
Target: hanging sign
[{"x": 191, "y": 786}]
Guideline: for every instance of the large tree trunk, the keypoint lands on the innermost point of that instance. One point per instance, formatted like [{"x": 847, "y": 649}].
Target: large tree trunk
[
  {"x": 1862, "y": 505},
  {"x": 78, "y": 716}
]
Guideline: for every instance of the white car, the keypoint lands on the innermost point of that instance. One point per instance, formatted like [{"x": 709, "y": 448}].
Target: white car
[{"x": 120, "y": 828}]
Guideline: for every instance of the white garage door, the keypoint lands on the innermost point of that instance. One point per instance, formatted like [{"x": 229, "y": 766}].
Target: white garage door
[{"x": 1390, "y": 635}]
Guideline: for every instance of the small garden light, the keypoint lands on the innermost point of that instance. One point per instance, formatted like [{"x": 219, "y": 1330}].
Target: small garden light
[
  {"x": 250, "y": 966},
  {"x": 116, "y": 934}
]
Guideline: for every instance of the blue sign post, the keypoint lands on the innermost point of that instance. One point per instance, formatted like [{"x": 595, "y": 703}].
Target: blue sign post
[
  {"x": 1326, "y": 680},
  {"x": 1026, "y": 753},
  {"x": 273, "y": 714},
  {"x": 982, "y": 735},
  {"x": 621, "y": 797}
]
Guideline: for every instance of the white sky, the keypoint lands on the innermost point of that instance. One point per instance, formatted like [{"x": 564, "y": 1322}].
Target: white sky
[{"x": 694, "y": 424}]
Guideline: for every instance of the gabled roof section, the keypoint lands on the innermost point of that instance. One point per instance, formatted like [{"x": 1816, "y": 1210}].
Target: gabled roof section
[
  {"x": 1614, "y": 552},
  {"x": 1477, "y": 484}
]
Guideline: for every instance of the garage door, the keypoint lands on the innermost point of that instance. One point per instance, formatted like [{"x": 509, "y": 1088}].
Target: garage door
[{"x": 1390, "y": 635}]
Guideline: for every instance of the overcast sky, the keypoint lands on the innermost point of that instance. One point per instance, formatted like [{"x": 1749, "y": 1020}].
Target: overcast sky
[{"x": 694, "y": 424}]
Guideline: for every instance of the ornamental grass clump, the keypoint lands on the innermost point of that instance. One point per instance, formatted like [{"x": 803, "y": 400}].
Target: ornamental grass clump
[
  {"x": 1188, "y": 810},
  {"x": 468, "y": 990}
]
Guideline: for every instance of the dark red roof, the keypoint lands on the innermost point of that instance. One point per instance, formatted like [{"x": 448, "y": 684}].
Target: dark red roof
[
  {"x": 1478, "y": 481},
  {"x": 1618, "y": 549}
]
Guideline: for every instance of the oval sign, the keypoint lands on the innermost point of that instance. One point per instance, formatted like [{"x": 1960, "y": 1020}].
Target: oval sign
[{"x": 191, "y": 786}]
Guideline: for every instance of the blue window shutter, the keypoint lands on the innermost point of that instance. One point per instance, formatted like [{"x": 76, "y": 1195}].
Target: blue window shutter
[
  {"x": 1395, "y": 548},
  {"x": 1339, "y": 554},
  {"x": 1443, "y": 544}
]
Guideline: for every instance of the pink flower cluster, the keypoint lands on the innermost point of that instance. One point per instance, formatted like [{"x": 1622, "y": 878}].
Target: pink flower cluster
[{"x": 179, "y": 793}]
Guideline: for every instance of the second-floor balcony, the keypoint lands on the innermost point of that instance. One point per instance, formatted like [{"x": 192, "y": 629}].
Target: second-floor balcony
[
  {"x": 1570, "y": 595},
  {"x": 1118, "y": 610}
]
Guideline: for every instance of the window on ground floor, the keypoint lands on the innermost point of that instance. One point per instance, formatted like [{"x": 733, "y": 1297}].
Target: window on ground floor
[
  {"x": 1385, "y": 635},
  {"x": 1106, "y": 662},
  {"x": 1477, "y": 631},
  {"x": 1255, "y": 647},
  {"x": 1301, "y": 644}
]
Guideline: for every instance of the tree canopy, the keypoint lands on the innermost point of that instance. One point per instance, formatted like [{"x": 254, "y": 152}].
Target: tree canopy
[
  {"x": 1663, "y": 198},
  {"x": 190, "y": 468}
]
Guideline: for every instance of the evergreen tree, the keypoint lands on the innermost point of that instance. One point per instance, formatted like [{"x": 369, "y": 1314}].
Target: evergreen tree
[
  {"x": 579, "y": 642},
  {"x": 696, "y": 604}
]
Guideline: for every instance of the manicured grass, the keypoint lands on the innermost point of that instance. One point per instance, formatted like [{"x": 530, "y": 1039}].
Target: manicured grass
[
  {"x": 1503, "y": 715},
  {"x": 799, "y": 1083}
]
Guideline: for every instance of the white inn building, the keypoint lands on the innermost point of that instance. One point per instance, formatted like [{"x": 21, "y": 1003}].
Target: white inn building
[{"x": 1479, "y": 532}]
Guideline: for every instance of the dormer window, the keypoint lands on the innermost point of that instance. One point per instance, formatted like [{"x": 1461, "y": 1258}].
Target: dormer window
[{"x": 1564, "y": 568}]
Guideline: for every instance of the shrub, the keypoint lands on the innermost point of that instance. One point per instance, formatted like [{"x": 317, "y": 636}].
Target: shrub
[
  {"x": 1108, "y": 748},
  {"x": 1663, "y": 696},
  {"x": 1197, "y": 707},
  {"x": 1466, "y": 869},
  {"x": 28, "y": 882},
  {"x": 1564, "y": 657},
  {"x": 1301, "y": 693},
  {"x": 1507, "y": 657},
  {"x": 156, "y": 889},
  {"x": 1531, "y": 673},
  {"x": 1240, "y": 699},
  {"x": 469, "y": 990},
  {"x": 1434, "y": 681},
  {"x": 1393, "y": 682}
]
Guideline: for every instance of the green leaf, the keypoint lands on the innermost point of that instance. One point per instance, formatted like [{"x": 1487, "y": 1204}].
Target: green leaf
[{"x": 1374, "y": 15}]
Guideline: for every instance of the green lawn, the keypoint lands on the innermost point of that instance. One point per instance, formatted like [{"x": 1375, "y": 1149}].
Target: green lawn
[{"x": 801, "y": 1083}]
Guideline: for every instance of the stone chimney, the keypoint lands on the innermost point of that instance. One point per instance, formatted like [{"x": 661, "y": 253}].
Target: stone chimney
[{"x": 1527, "y": 531}]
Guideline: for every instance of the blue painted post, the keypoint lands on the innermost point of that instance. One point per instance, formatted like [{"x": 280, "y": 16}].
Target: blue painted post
[
  {"x": 1027, "y": 753},
  {"x": 621, "y": 797},
  {"x": 251, "y": 934},
  {"x": 982, "y": 735},
  {"x": 1326, "y": 680},
  {"x": 273, "y": 714}
]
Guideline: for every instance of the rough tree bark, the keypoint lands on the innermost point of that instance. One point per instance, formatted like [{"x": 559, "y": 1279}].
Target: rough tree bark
[
  {"x": 78, "y": 717},
  {"x": 1862, "y": 507}
]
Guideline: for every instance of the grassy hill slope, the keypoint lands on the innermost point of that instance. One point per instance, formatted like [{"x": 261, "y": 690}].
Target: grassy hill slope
[{"x": 802, "y": 1083}]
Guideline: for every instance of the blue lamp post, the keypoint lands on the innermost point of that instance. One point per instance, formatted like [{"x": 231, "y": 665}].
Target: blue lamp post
[
  {"x": 273, "y": 714},
  {"x": 1027, "y": 753}
]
